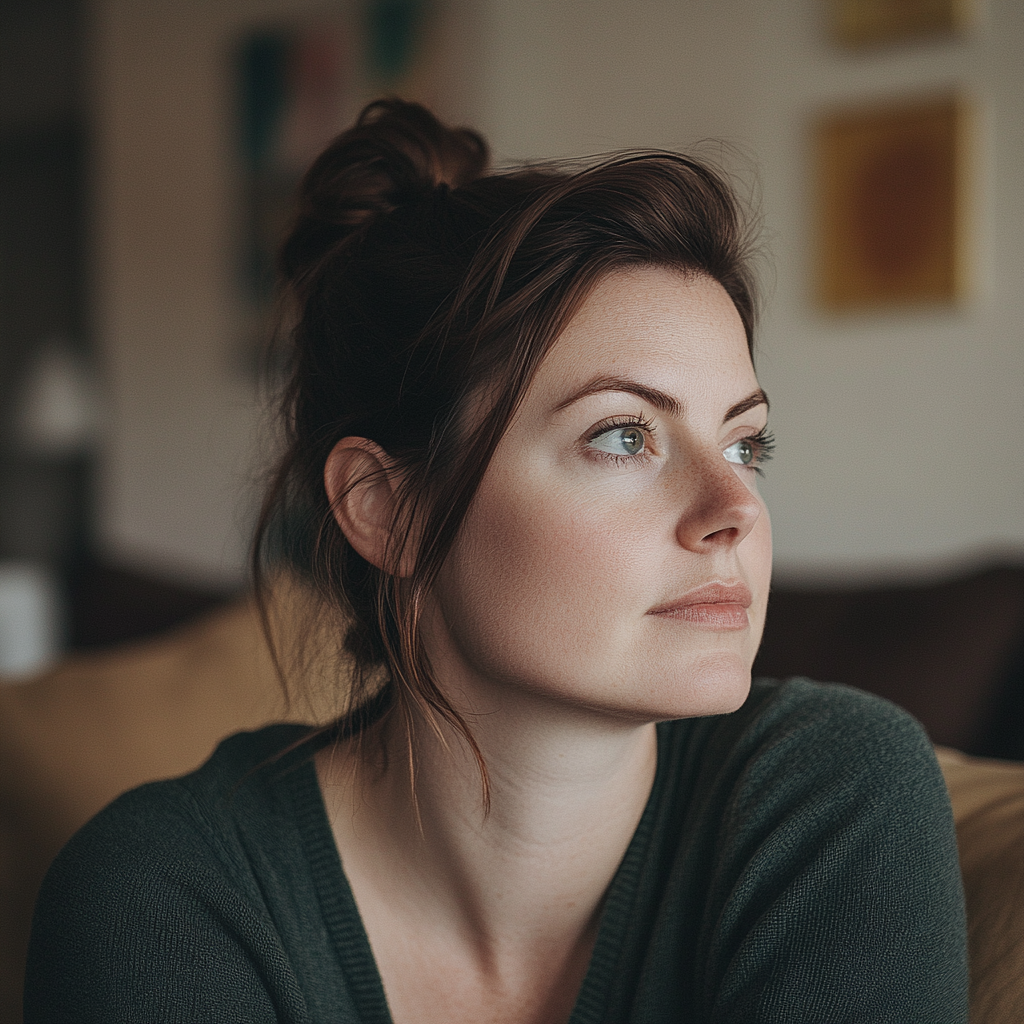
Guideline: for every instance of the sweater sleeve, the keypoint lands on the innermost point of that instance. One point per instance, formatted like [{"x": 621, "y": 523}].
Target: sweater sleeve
[
  {"x": 836, "y": 892},
  {"x": 138, "y": 921}
]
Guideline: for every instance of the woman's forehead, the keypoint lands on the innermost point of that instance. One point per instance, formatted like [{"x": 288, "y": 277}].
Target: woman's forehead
[{"x": 654, "y": 326}]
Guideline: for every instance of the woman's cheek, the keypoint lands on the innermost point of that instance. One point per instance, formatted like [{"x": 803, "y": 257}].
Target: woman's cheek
[{"x": 538, "y": 583}]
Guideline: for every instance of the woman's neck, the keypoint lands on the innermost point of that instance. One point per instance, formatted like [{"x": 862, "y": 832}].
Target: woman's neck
[{"x": 522, "y": 884}]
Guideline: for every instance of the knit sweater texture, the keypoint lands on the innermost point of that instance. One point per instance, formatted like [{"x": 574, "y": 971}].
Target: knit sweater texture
[{"x": 796, "y": 862}]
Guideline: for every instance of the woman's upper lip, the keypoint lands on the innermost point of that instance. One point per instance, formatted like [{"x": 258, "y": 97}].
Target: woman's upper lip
[{"x": 708, "y": 593}]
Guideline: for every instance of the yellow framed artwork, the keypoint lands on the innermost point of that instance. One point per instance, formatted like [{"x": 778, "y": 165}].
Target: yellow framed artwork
[
  {"x": 877, "y": 22},
  {"x": 891, "y": 197}
]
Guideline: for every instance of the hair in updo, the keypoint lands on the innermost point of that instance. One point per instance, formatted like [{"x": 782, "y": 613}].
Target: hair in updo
[{"x": 415, "y": 282}]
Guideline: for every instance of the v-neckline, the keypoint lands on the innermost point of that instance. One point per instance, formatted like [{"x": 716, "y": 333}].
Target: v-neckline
[{"x": 352, "y": 944}]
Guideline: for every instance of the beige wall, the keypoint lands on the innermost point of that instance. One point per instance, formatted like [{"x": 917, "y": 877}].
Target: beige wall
[
  {"x": 896, "y": 432},
  {"x": 173, "y": 489}
]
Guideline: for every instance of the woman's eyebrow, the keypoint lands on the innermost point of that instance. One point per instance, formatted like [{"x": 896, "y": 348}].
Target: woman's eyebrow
[
  {"x": 752, "y": 401},
  {"x": 659, "y": 399}
]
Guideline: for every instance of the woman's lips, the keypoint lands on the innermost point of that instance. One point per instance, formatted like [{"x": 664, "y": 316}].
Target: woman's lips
[{"x": 720, "y": 606}]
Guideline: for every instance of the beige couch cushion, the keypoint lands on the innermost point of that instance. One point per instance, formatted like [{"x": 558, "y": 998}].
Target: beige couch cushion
[{"x": 988, "y": 805}]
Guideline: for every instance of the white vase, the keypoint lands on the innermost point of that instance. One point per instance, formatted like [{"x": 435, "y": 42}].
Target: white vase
[{"x": 30, "y": 620}]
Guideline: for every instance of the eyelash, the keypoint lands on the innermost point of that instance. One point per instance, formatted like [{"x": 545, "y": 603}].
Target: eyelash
[{"x": 763, "y": 442}]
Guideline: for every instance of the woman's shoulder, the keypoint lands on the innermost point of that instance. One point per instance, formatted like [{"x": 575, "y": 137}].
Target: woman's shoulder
[
  {"x": 169, "y": 881},
  {"x": 839, "y": 743},
  {"x": 846, "y": 726},
  {"x": 242, "y": 769},
  {"x": 801, "y": 700},
  {"x": 800, "y": 756},
  {"x": 816, "y": 829},
  {"x": 199, "y": 819}
]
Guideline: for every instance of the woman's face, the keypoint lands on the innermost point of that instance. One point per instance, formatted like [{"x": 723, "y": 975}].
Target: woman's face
[{"x": 617, "y": 554}]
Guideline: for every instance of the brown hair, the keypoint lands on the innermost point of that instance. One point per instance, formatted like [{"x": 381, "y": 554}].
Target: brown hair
[{"x": 417, "y": 282}]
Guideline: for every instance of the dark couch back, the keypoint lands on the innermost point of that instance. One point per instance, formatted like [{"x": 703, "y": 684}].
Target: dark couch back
[{"x": 951, "y": 653}]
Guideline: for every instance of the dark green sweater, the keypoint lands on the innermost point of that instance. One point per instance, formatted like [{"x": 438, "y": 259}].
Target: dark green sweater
[{"x": 796, "y": 862}]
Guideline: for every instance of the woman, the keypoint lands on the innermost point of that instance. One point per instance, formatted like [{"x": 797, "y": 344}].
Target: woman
[{"x": 524, "y": 435}]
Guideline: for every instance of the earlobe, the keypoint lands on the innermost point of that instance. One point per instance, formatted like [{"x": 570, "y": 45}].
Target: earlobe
[{"x": 360, "y": 481}]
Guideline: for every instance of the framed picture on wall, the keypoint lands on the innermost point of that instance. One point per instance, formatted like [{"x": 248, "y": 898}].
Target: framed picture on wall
[
  {"x": 297, "y": 85},
  {"x": 859, "y": 23},
  {"x": 891, "y": 204}
]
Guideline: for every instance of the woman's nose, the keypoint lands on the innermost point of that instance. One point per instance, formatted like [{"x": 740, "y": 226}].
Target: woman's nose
[{"x": 723, "y": 507}]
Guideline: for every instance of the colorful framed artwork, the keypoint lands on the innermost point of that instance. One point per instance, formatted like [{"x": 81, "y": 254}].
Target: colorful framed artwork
[
  {"x": 891, "y": 198},
  {"x": 297, "y": 85},
  {"x": 294, "y": 89},
  {"x": 877, "y": 22}
]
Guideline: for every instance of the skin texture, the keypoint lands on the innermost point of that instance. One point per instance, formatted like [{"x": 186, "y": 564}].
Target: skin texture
[{"x": 557, "y": 627}]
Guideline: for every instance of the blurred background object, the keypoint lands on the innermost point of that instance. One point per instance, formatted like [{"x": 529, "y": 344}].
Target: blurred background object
[
  {"x": 879, "y": 22},
  {"x": 31, "y": 631},
  {"x": 893, "y": 184},
  {"x": 950, "y": 650},
  {"x": 48, "y": 403}
]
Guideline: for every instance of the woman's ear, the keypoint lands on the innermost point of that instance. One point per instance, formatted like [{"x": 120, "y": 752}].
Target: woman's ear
[{"x": 361, "y": 483}]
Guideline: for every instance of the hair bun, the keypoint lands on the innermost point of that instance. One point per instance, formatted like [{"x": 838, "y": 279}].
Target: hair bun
[{"x": 396, "y": 152}]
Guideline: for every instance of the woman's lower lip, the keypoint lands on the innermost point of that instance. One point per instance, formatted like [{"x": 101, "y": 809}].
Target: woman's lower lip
[{"x": 711, "y": 616}]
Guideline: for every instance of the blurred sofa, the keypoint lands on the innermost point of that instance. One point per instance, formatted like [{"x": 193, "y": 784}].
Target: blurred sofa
[
  {"x": 102, "y": 722},
  {"x": 950, "y": 651}
]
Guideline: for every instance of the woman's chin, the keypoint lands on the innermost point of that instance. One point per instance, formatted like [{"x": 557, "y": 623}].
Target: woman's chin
[{"x": 713, "y": 684}]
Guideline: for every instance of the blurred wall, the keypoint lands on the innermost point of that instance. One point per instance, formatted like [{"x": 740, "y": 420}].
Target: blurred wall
[
  {"x": 180, "y": 434},
  {"x": 895, "y": 449},
  {"x": 178, "y": 479}
]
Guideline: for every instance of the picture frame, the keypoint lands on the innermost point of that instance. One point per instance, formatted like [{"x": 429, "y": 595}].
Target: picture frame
[
  {"x": 891, "y": 204},
  {"x": 863, "y": 23},
  {"x": 297, "y": 84}
]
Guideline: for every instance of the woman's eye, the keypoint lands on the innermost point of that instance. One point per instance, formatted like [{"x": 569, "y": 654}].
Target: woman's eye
[
  {"x": 620, "y": 441},
  {"x": 742, "y": 453},
  {"x": 751, "y": 451}
]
